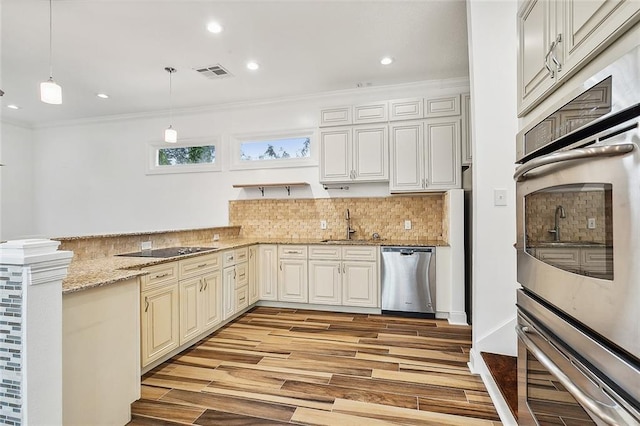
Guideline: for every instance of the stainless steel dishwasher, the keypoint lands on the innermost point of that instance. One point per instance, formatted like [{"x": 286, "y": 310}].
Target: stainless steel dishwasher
[{"x": 409, "y": 281}]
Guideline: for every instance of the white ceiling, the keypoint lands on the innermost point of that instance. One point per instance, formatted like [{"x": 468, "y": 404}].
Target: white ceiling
[{"x": 303, "y": 47}]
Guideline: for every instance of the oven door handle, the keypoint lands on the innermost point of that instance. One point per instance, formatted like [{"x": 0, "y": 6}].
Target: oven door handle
[
  {"x": 574, "y": 154},
  {"x": 611, "y": 414}
]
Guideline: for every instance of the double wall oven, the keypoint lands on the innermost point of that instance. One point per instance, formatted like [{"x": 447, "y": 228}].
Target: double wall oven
[{"x": 578, "y": 252}]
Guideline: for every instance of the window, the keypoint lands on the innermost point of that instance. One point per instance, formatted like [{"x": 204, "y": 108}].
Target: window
[
  {"x": 291, "y": 149},
  {"x": 185, "y": 157}
]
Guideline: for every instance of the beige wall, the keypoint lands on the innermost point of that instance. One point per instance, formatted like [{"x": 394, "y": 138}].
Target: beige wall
[{"x": 300, "y": 218}]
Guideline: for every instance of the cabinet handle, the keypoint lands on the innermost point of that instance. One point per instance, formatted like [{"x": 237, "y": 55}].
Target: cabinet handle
[
  {"x": 234, "y": 274},
  {"x": 293, "y": 251},
  {"x": 426, "y": 183},
  {"x": 553, "y": 56},
  {"x": 146, "y": 303},
  {"x": 281, "y": 266},
  {"x": 242, "y": 275},
  {"x": 202, "y": 265},
  {"x": 205, "y": 283},
  {"x": 344, "y": 269},
  {"x": 250, "y": 253},
  {"x": 162, "y": 275},
  {"x": 200, "y": 284},
  {"x": 546, "y": 61},
  {"x": 242, "y": 299}
]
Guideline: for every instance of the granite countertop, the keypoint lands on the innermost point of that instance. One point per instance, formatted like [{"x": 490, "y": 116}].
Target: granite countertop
[{"x": 86, "y": 274}]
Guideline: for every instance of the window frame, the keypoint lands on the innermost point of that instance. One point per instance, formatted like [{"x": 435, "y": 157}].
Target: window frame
[
  {"x": 237, "y": 140},
  {"x": 155, "y": 169}
]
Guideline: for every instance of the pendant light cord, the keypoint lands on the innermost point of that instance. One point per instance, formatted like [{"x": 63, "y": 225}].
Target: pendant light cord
[
  {"x": 170, "y": 98},
  {"x": 50, "y": 40}
]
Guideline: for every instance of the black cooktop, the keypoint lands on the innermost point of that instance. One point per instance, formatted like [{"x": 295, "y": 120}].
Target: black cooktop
[{"x": 168, "y": 252}]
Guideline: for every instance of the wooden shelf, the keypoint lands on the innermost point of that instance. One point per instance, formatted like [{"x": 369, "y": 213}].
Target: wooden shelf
[{"x": 262, "y": 186}]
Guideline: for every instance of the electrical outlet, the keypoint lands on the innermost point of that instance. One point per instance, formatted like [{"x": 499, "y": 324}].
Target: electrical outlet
[
  {"x": 591, "y": 223},
  {"x": 216, "y": 237},
  {"x": 499, "y": 197},
  {"x": 407, "y": 224},
  {"x": 323, "y": 224},
  {"x": 145, "y": 245}
]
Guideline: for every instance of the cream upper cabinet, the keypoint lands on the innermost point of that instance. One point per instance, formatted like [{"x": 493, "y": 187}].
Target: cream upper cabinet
[
  {"x": 406, "y": 109},
  {"x": 159, "y": 321},
  {"x": 442, "y": 106},
  {"x": 336, "y": 116},
  {"x": 558, "y": 37},
  {"x": 357, "y": 153},
  {"x": 254, "y": 291},
  {"x": 466, "y": 130},
  {"x": 425, "y": 155},
  {"x": 267, "y": 275},
  {"x": 374, "y": 112}
]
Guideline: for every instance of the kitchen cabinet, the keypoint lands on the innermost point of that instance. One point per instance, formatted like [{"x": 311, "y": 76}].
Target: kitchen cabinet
[
  {"x": 254, "y": 290},
  {"x": 336, "y": 116},
  {"x": 354, "y": 154},
  {"x": 466, "y": 130},
  {"x": 159, "y": 321},
  {"x": 292, "y": 274},
  {"x": 235, "y": 281},
  {"x": 406, "y": 109},
  {"x": 267, "y": 275},
  {"x": 374, "y": 112},
  {"x": 346, "y": 275},
  {"x": 597, "y": 260},
  {"x": 425, "y": 155},
  {"x": 558, "y": 37},
  {"x": 442, "y": 106}
]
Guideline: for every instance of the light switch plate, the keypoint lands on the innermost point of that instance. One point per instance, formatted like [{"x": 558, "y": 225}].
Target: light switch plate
[
  {"x": 591, "y": 223},
  {"x": 499, "y": 197},
  {"x": 216, "y": 237},
  {"x": 145, "y": 245},
  {"x": 323, "y": 224},
  {"x": 407, "y": 224}
]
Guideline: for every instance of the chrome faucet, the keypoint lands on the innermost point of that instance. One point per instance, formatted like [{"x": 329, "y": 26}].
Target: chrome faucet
[
  {"x": 559, "y": 214},
  {"x": 349, "y": 230}
]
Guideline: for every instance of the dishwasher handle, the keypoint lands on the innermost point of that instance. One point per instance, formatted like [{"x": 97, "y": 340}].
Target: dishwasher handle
[{"x": 408, "y": 251}]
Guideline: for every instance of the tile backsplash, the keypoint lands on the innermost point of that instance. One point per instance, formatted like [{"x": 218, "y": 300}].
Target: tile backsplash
[{"x": 300, "y": 218}]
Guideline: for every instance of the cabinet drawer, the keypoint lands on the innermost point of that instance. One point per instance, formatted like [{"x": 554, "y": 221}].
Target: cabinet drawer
[
  {"x": 159, "y": 275},
  {"x": 370, "y": 113},
  {"x": 359, "y": 252},
  {"x": 198, "y": 265},
  {"x": 292, "y": 252},
  {"x": 242, "y": 274},
  {"x": 325, "y": 252},
  {"x": 337, "y": 116},
  {"x": 405, "y": 109},
  {"x": 242, "y": 254},
  {"x": 229, "y": 258},
  {"x": 242, "y": 298},
  {"x": 567, "y": 258},
  {"x": 442, "y": 107}
]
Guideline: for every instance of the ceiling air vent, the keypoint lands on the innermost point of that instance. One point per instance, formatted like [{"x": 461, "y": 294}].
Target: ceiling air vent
[{"x": 214, "y": 72}]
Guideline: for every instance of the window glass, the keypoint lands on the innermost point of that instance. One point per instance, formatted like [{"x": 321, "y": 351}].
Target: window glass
[
  {"x": 275, "y": 149},
  {"x": 186, "y": 155}
]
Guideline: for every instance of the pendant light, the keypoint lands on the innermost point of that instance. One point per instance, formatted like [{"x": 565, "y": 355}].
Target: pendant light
[
  {"x": 50, "y": 91},
  {"x": 170, "y": 134}
]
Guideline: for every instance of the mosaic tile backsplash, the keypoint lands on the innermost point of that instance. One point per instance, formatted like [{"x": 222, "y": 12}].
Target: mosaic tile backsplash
[
  {"x": 579, "y": 206},
  {"x": 11, "y": 335},
  {"x": 300, "y": 218}
]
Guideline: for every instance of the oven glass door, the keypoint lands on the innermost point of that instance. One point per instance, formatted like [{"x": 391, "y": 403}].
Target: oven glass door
[{"x": 571, "y": 227}]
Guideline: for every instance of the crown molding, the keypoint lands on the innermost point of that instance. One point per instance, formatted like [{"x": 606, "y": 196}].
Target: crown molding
[{"x": 444, "y": 84}]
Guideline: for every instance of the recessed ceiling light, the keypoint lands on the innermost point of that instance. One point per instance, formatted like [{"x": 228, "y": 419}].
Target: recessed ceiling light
[
  {"x": 12, "y": 106},
  {"x": 214, "y": 27},
  {"x": 387, "y": 60},
  {"x": 253, "y": 65},
  {"x": 102, "y": 96}
]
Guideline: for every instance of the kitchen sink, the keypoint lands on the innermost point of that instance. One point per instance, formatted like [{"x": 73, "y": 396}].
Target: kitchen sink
[
  {"x": 348, "y": 241},
  {"x": 168, "y": 252}
]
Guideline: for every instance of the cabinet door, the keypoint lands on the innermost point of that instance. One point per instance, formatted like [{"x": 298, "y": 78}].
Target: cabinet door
[
  {"x": 536, "y": 31},
  {"x": 190, "y": 309},
  {"x": 590, "y": 26},
  {"x": 374, "y": 112},
  {"x": 254, "y": 292},
  {"x": 268, "y": 272},
  {"x": 159, "y": 322},
  {"x": 212, "y": 300},
  {"x": 335, "y": 155},
  {"x": 292, "y": 281},
  {"x": 442, "y": 106},
  {"x": 466, "y": 130},
  {"x": 337, "y": 116},
  {"x": 228, "y": 292},
  {"x": 371, "y": 153},
  {"x": 325, "y": 282},
  {"x": 360, "y": 284},
  {"x": 407, "y": 167},
  {"x": 405, "y": 109},
  {"x": 442, "y": 156}
]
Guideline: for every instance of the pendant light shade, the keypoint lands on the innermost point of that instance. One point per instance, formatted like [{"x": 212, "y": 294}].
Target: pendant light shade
[
  {"x": 170, "y": 134},
  {"x": 50, "y": 91}
]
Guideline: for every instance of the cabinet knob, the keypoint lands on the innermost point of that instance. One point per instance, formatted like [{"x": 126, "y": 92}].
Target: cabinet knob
[{"x": 146, "y": 303}]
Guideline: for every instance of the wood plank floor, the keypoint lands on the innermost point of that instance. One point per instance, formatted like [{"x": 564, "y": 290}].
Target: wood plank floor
[{"x": 283, "y": 366}]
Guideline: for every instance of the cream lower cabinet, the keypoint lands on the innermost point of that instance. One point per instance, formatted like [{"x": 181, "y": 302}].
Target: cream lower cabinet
[
  {"x": 267, "y": 275},
  {"x": 254, "y": 290},
  {"x": 159, "y": 322},
  {"x": 343, "y": 275},
  {"x": 200, "y": 305},
  {"x": 292, "y": 273},
  {"x": 425, "y": 155},
  {"x": 235, "y": 281}
]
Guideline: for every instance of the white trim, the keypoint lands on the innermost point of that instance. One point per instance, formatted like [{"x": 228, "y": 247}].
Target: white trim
[
  {"x": 152, "y": 148},
  {"x": 460, "y": 83},
  {"x": 236, "y": 140}
]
